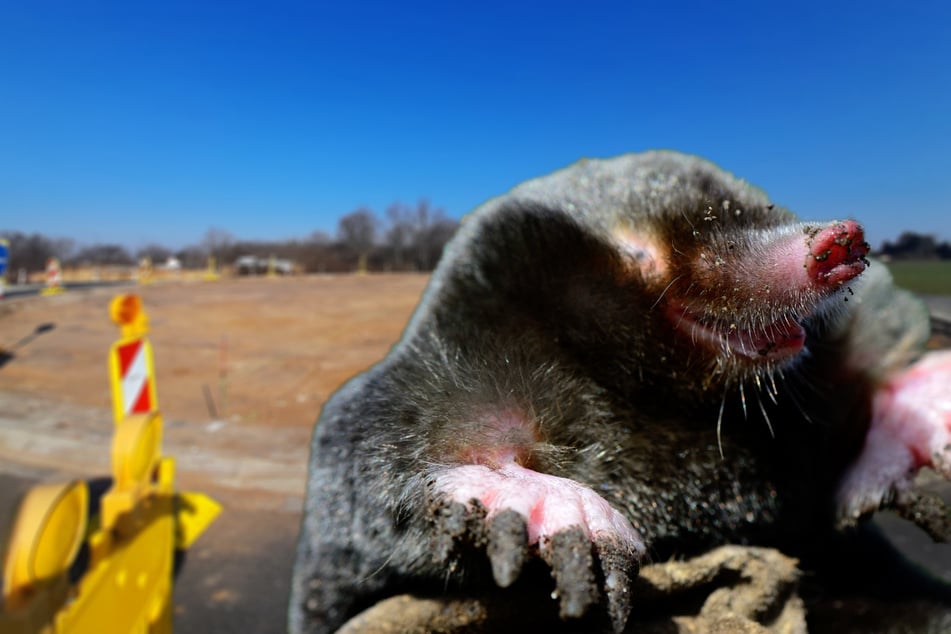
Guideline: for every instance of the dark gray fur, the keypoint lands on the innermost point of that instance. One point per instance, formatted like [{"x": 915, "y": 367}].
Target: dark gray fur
[{"x": 531, "y": 305}]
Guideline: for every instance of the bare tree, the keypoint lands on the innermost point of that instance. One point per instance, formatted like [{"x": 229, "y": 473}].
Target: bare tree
[
  {"x": 915, "y": 246},
  {"x": 192, "y": 257},
  {"x": 357, "y": 230},
  {"x": 431, "y": 232},
  {"x": 219, "y": 243},
  {"x": 318, "y": 237},
  {"x": 31, "y": 252},
  {"x": 399, "y": 234},
  {"x": 102, "y": 254},
  {"x": 417, "y": 235},
  {"x": 431, "y": 242},
  {"x": 156, "y": 253}
]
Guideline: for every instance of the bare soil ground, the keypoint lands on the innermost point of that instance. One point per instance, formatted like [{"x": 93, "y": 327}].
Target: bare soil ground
[{"x": 268, "y": 350}]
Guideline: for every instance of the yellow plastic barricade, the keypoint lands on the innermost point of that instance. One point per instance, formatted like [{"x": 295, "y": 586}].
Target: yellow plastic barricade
[{"x": 80, "y": 566}]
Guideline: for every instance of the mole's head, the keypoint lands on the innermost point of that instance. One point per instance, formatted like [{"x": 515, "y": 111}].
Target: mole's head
[
  {"x": 735, "y": 285},
  {"x": 655, "y": 269}
]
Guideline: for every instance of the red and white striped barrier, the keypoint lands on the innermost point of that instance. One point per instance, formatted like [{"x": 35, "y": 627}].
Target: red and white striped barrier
[
  {"x": 54, "y": 278},
  {"x": 131, "y": 365},
  {"x": 134, "y": 377}
]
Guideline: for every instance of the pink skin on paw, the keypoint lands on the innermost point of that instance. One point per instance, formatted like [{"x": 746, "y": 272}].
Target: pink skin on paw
[
  {"x": 911, "y": 428},
  {"x": 548, "y": 503}
]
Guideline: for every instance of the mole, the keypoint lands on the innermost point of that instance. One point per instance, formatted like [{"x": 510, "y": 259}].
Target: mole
[{"x": 626, "y": 360}]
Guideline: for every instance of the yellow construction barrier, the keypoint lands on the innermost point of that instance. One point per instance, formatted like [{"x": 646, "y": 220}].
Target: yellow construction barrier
[
  {"x": 76, "y": 567},
  {"x": 54, "y": 278},
  {"x": 211, "y": 273},
  {"x": 145, "y": 272}
]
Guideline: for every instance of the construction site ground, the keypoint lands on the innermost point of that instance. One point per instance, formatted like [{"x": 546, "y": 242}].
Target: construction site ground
[{"x": 243, "y": 366}]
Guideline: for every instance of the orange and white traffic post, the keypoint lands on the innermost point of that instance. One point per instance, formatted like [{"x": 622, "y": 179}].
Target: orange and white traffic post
[
  {"x": 54, "y": 278},
  {"x": 131, "y": 364}
]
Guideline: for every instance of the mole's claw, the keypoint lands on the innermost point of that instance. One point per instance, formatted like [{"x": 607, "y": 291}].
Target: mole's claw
[
  {"x": 457, "y": 523},
  {"x": 570, "y": 555},
  {"x": 619, "y": 564},
  {"x": 507, "y": 546}
]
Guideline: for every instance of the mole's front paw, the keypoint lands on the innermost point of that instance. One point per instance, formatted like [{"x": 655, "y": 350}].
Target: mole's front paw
[
  {"x": 910, "y": 429},
  {"x": 515, "y": 513}
]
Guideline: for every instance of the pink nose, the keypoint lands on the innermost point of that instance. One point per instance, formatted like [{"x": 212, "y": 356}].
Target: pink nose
[{"x": 837, "y": 253}]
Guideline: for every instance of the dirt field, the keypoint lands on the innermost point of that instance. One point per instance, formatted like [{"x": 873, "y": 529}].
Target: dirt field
[
  {"x": 243, "y": 366},
  {"x": 268, "y": 350}
]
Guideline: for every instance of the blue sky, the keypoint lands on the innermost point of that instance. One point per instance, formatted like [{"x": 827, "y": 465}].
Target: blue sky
[{"x": 152, "y": 121}]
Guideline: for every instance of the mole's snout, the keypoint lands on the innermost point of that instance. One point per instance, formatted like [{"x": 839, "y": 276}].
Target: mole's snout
[{"x": 837, "y": 253}]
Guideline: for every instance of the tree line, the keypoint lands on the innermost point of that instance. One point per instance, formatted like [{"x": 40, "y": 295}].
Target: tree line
[
  {"x": 915, "y": 246},
  {"x": 407, "y": 238}
]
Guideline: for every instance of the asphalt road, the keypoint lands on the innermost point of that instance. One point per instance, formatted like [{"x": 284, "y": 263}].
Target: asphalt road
[{"x": 26, "y": 290}]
